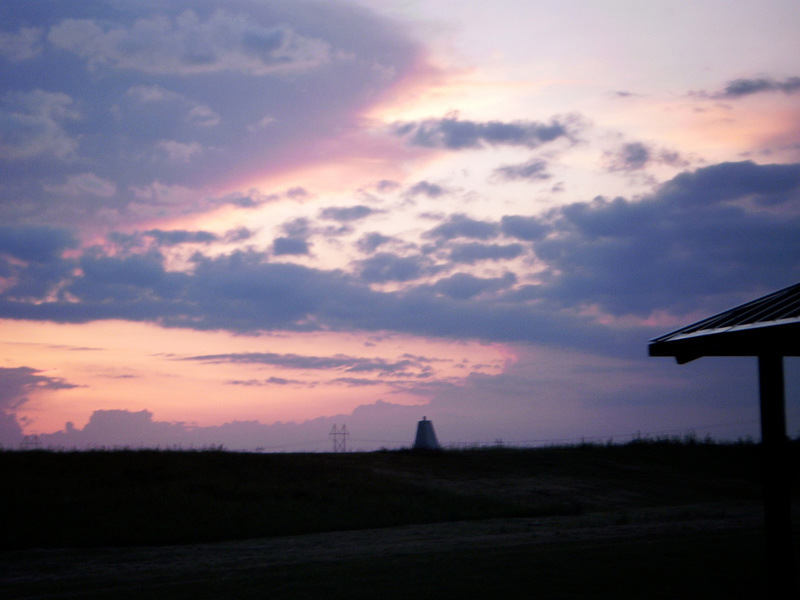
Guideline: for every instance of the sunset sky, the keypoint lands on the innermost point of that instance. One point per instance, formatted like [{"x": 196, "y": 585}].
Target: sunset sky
[{"x": 245, "y": 222}]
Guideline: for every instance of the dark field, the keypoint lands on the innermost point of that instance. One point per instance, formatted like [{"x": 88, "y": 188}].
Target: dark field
[{"x": 649, "y": 519}]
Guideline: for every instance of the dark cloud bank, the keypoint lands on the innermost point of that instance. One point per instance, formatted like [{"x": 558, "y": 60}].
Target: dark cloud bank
[{"x": 705, "y": 239}]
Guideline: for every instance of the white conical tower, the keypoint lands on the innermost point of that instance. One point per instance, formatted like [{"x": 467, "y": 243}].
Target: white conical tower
[{"x": 426, "y": 436}]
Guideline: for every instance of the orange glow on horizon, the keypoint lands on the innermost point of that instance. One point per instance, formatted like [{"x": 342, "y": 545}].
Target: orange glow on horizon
[{"x": 137, "y": 366}]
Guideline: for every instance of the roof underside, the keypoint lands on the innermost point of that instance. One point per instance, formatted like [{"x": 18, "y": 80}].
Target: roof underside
[{"x": 768, "y": 325}]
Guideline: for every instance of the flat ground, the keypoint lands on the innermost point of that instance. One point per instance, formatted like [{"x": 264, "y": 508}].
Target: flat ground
[{"x": 647, "y": 521}]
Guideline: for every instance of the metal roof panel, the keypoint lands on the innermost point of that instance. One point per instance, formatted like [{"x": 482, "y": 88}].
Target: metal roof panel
[{"x": 767, "y": 324}]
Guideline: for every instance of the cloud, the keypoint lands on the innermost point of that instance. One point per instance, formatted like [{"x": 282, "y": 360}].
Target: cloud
[
  {"x": 297, "y": 193},
  {"x": 31, "y": 263},
  {"x": 300, "y": 227},
  {"x": 385, "y": 266},
  {"x": 239, "y": 234},
  {"x": 739, "y": 88},
  {"x": 636, "y": 156},
  {"x": 16, "y": 384},
  {"x": 456, "y": 134},
  {"x": 707, "y": 238},
  {"x": 283, "y": 246},
  {"x": 346, "y": 214},
  {"x": 357, "y": 381},
  {"x": 10, "y": 431},
  {"x": 21, "y": 45},
  {"x": 524, "y": 228},
  {"x": 244, "y": 292},
  {"x": 36, "y": 243},
  {"x": 179, "y": 236},
  {"x": 379, "y": 424},
  {"x": 473, "y": 252},
  {"x": 385, "y": 185},
  {"x": 148, "y": 99},
  {"x": 463, "y": 286},
  {"x": 188, "y": 44},
  {"x": 764, "y": 185},
  {"x": 629, "y": 157},
  {"x": 369, "y": 242},
  {"x": 431, "y": 190},
  {"x": 533, "y": 170},
  {"x": 119, "y": 429},
  {"x": 25, "y": 284},
  {"x": 84, "y": 184},
  {"x": 348, "y": 364},
  {"x": 179, "y": 152},
  {"x": 267, "y": 382},
  {"x": 182, "y": 124},
  {"x": 595, "y": 275},
  {"x": 33, "y": 124},
  {"x": 229, "y": 288},
  {"x": 154, "y": 239},
  {"x": 460, "y": 225}
]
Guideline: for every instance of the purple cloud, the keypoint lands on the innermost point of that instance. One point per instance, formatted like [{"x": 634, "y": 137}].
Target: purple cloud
[
  {"x": 456, "y": 134},
  {"x": 346, "y": 214},
  {"x": 371, "y": 241},
  {"x": 463, "y": 286},
  {"x": 15, "y": 385},
  {"x": 524, "y": 228},
  {"x": 739, "y": 88},
  {"x": 705, "y": 239},
  {"x": 202, "y": 94},
  {"x": 297, "y": 361},
  {"x": 385, "y": 266},
  {"x": 475, "y": 252},
  {"x": 460, "y": 225},
  {"x": 288, "y": 245},
  {"x": 636, "y": 156},
  {"x": 533, "y": 170},
  {"x": 189, "y": 43},
  {"x": 431, "y": 190},
  {"x": 35, "y": 243}
]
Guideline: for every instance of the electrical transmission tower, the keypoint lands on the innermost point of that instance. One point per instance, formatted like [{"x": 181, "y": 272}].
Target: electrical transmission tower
[
  {"x": 339, "y": 437},
  {"x": 30, "y": 442}
]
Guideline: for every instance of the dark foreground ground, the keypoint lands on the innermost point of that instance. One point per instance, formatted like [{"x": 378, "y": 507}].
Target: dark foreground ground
[{"x": 644, "y": 520}]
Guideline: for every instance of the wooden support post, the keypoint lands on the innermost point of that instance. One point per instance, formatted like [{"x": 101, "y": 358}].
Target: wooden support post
[{"x": 777, "y": 490}]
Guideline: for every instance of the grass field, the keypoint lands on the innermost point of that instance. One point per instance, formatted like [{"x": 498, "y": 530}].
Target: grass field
[{"x": 650, "y": 519}]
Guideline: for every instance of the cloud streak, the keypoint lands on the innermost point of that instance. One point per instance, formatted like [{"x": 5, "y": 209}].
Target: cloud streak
[
  {"x": 348, "y": 364},
  {"x": 739, "y": 88},
  {"x": 454, "y": 133}
]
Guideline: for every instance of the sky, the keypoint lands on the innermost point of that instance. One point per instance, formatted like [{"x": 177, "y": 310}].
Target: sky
[{"x": 243, "y": 223}]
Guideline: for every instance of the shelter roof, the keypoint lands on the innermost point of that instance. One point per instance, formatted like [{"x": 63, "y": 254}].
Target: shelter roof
[{"x": 767, "y": 325}]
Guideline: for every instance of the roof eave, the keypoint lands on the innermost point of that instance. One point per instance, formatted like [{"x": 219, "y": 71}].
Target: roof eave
[{"x": 783, "y": 340}]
